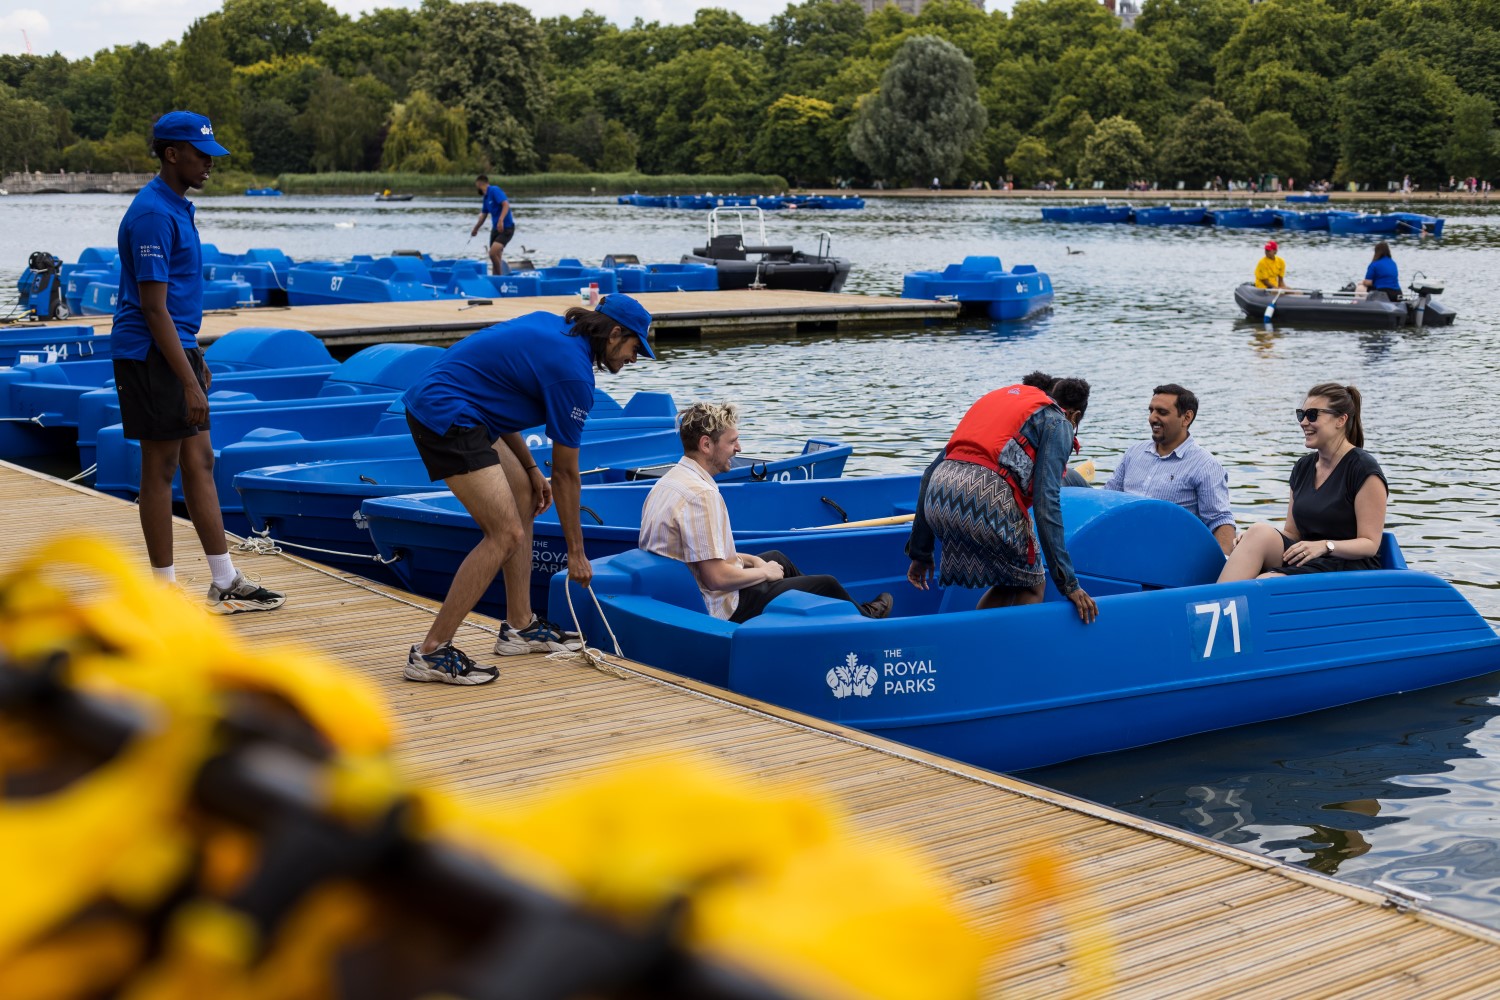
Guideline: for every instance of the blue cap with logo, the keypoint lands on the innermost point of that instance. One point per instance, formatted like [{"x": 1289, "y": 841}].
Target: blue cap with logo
[
  {"x": 631, "y": 315},
  {"x": 186, "y": 126}
]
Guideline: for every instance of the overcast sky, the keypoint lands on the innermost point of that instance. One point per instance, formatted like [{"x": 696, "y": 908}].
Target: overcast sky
[{"x": 82, "y": 27}]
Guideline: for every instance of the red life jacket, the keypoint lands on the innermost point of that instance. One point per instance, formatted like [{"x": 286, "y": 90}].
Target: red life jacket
[{"x": 990, "y": 435}]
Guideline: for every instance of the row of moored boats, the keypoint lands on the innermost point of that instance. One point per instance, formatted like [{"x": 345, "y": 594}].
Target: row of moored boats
[{"x": 1339, "y": 223}]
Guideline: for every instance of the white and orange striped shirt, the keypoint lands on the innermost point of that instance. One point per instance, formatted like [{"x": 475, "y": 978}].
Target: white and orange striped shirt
[{"x": 684, "y": 518}]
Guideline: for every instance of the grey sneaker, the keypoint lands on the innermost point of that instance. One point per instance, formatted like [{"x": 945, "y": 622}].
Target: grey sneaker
[
  {"x": 242, "y": 595},
  {"x": 446, "y": 665},
  {"x": 541, "y": 636}
]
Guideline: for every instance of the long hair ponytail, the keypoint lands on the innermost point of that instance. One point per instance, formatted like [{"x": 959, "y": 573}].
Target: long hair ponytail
[{"x": 1343, "y": 399}]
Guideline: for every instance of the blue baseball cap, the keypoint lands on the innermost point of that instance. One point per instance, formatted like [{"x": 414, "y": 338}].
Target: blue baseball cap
[
  {"x": 631, "y": 315},
  {"x": 186, "y": 126}
]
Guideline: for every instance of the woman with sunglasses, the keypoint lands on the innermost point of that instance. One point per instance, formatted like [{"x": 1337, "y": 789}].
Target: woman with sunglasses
[{"x": 1336, "y": 512}]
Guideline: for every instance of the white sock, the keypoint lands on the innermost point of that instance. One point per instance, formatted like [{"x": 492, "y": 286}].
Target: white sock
[
  {"x": 222, "y": 568},
  {"x": 165, "y": 574}
]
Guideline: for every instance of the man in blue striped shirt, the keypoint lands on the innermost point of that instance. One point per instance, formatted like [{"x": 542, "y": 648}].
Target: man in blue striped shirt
[{"x": 1172, "y": 466}]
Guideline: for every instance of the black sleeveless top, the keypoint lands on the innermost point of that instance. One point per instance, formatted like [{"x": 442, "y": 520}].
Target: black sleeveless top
[{"x": 1327, "y": 511}]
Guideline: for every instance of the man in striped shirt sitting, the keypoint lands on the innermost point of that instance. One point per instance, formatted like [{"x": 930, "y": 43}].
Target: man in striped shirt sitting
[
  {"x": 1172, "y": 466},
  {"x": 684, "y": 518}
]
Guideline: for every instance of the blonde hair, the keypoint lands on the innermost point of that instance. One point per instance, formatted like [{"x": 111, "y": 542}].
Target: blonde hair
[{"x": 712, "y": 419}]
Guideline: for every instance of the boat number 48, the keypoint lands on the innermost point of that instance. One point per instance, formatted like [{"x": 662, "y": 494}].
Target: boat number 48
[{"x": 1218, "y": 628}]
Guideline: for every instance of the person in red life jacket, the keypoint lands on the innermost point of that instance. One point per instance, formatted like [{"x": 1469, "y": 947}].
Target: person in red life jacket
[{"x": 1008, "y": 455}]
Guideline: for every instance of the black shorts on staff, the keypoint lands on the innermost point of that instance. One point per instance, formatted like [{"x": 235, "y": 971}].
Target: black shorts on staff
[
  {"x": 502, "y": 236},
  {"x": 153, "y": 406},
  {"x": 460, "y": 450}
]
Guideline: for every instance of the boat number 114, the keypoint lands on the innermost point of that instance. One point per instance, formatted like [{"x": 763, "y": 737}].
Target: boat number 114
[{"x": 1215, "y": 627}]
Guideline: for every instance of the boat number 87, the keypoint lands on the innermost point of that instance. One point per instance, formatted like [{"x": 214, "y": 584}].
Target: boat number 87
[{"x": 1214, "y": 627}]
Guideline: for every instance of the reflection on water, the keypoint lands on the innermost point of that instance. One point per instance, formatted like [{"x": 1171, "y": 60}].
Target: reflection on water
[{"x": 1404, "y": 789}]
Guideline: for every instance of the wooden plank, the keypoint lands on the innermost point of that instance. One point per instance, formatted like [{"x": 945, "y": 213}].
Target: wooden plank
[
  {"x": 734, "y": 312},
  {"x": 1190, "y": 917}
]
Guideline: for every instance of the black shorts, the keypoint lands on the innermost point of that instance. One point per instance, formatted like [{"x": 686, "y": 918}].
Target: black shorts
[
  {"x": 153, "y": 406},
  {"x": 461, "y": 450},
  {"x": 502, "y": 236}
]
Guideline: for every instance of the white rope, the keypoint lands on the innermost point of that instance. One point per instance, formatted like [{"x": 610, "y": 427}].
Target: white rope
[
  {"x": 594, "y": 657},
  {"x": 262, "y": 544},
  {"x": 23, "y": 420},
  {"x": 86, "y": 472}
]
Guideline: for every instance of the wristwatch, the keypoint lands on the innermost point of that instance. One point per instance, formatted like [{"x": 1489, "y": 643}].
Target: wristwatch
[{"x": 1330, "y": 547}]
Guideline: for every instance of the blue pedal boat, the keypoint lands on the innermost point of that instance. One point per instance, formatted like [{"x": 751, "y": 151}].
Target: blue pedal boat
[
  {"x": 1088, "y": 213},
  {"x": 316, "y": 505},
  {"x": 1413, "y": 223},
  {"x": 93, "y": 264},
  {"x": 1363, "y": 224},
  {"x": 427, "y": 535},
  {"x": 43, "y": 406},
  {"x": 1172, "y": 653},
  {"x": 982, "y": 284},
  {"x": 44, "y": 345},
  {"x": 1166, "y": 215},
  {"x": 564, "y": 279},
  {"x": 1301, "y": 222},
  {"x": 633, "y": 277},
  {"x": 1242, "y": 218},
  {"x": 248, "y": 438},
  {"x": 1308, "y": 199},
  {"x": 264, "y": 269},
  {"x": 383, "y": 371},
  {"x": 363, "y": 279}
]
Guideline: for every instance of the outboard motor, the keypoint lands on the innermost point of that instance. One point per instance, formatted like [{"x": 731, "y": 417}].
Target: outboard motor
[
  {"x": 40, "y": 286},
  {"x": 1425, "y": 289}
]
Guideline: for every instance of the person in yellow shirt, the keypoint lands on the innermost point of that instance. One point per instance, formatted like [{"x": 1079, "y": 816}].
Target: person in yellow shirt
[{"x": 1270, "y": 270}]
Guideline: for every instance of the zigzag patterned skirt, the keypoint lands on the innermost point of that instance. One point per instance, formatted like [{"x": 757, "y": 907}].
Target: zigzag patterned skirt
[{"x": 984, "y": 533}]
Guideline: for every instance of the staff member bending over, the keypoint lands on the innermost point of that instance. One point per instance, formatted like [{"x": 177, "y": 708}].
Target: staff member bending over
[{"x": 466, "y": 415}]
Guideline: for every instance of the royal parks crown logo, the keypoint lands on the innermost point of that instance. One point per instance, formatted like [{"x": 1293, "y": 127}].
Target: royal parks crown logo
[{"x": 852, "y": 678}]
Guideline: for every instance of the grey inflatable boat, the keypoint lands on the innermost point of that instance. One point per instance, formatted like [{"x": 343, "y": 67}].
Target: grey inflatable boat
[{"x": 1345, "y": 308}]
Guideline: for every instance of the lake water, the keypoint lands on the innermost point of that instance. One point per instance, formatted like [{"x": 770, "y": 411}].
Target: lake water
[{"x": 1403, "y": 789}]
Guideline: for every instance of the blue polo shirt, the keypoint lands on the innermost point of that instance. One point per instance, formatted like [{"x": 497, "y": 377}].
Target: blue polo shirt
[
  {"x": 158, "y": 241},
  {"x": 1382, "y": 272},
  {"x": 508, "y": 377},
  {"x": 494, "y": 198}
]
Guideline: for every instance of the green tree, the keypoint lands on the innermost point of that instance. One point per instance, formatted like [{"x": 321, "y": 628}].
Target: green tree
[
  {"x": 574, "y": 41},
  {"x": 1117, "y": 153},
  {"x": 142, "y": 90},
  {"x": 203, "y": 81},
  {"x": 387, "y": 43},
  {"x": 289, "y": 79},
  {"x": 258, "y": 30},
  {"x": 1208, "y": 141},
  {"x": 1394, "y": 115},
  {"x": 1307, "y": 34},
  {"x": 426, "y": 137},
  {"x": 1474, "y": 141},
  {"x": 566, "y": 163},
  {"x": 619, "y": 149},
  {"x": 489, "y": 59},
  {"x": 706, "y": 104},
  {"x": 1031, "y": 162},
  {"x": 346, "y": 122},
  {"x": 1279, "y": 145},
  {"x": 281, "y": 142},
  {"x": 27, "y": 133},
  {"x": 1192, "y": 31},
  {"x": 808, "y": 42},
  {"x": 89, "y": 95},
  {"x": 793, "y": 141},
  {"x": 925, "y": 116}
]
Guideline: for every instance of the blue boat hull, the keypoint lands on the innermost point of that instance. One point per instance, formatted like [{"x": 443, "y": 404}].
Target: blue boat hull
[
  {"x": 1302, "y": 222},
  {"x": 1169, "y": 216},
  {"x": 1307, "y": 199},
  {"x": 432, "y": 533},
  {"x": 1356, "y": 224},
  {"x": 1171, "y": 653},
  {"x": 53, "y": 343},
  {"x": 981, "y": 284},
  {"x": 1088, "y": 213},
  {"x": 1243, "y": 218}
]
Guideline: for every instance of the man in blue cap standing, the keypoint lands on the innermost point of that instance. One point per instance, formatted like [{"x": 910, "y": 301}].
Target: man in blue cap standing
[
  {"x": 466, "y": 416},
  {"x": 159, "y": 370}
]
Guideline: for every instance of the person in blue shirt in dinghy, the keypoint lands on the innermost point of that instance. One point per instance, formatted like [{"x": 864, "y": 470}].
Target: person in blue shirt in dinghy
[
  {"x": 1008, "y": 454},
  {"x": 466, "y": 415},
  {"x": 1336, "y": 513},
  {"x": 1173, "y": 466},
  {"x": 1381, "y": 277}
]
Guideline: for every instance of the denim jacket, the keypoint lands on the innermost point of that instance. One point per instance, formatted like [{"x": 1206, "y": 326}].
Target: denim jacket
[{"x": 1053, "y": 435}]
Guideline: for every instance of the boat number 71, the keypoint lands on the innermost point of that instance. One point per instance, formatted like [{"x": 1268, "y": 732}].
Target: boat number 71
[{"x": 1204, "y": 631}]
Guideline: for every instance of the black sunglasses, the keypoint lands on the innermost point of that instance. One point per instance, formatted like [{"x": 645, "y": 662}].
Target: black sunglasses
[{"x": 1312, "y": 413}]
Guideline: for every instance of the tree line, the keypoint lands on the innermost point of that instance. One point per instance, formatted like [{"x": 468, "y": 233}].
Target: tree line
[{"x": 1348, "y": 90}]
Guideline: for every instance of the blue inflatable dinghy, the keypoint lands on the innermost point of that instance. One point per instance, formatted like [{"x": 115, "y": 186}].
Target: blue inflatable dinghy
[
  {"x": 1172, "y": 653},
  {"x": 1308, "y": 199},
  {"x": 1168, "y": 216},
  {"x": 427, "y": 535},
  {"x": 982, "y": 284},
  {"x": 1301, "y": 222},
  {"x": 1088, "y": 213},
  {"x": 1243, "y": 218}
]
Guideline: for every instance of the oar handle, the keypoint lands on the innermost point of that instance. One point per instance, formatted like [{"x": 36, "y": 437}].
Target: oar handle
[{"x": 873, "y": 522}]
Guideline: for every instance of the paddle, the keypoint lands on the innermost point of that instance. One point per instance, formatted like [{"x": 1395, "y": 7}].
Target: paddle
[
  {"x": 1271, "y": 306},
  {"x": 872, "y": 522}
]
